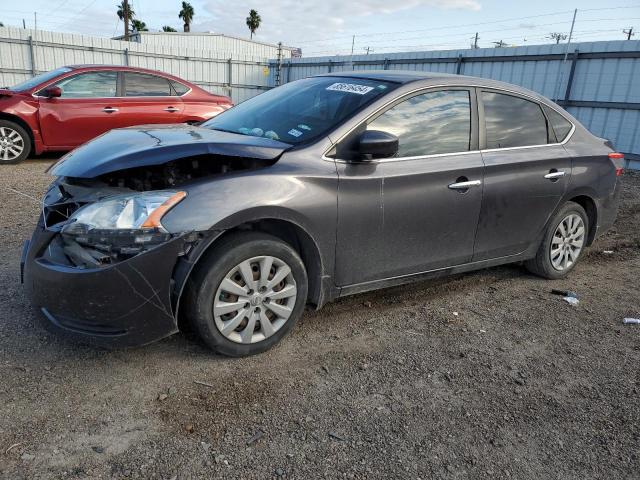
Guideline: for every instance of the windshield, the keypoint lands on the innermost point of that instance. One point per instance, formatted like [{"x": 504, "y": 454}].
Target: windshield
[
  {"x": 300, "y": 111},
  {"x": 38, "y": 79}
]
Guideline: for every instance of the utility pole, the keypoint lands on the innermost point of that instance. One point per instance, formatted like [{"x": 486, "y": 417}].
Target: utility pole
[
  {"x": 24, "y": 24},
  {"x": 499, "y": 44},
  {"x": 35, "y": 20},
  {"x": 353, "y": 42},
  {"x": 629, "y": 33},
  {"x": 368, "y": 49},
  {"x": 125, "y": 12},
  {"x": 475, "y": 41},
  {"x": 560, "y": 75}
]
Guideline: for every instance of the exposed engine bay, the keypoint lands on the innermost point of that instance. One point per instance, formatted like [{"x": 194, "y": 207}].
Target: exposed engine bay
[{"x": 89, "y": 246}]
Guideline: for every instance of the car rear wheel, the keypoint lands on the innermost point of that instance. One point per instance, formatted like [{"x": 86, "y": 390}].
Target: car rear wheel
[
  {"x": 563, "y": 243},
  {"x": 15, "y": 143},
  {"x": 246, "y": 294}
]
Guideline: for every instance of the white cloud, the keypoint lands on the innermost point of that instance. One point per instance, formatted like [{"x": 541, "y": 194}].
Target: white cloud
[{"x": 292, "y": 20}]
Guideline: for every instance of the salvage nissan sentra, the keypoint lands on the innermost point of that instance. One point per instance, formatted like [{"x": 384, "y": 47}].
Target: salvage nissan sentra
[{"x": 324, "y": 187}]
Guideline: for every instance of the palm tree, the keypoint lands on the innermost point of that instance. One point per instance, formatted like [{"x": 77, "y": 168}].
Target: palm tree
[
  {"x": 167, "y": 28},
  {"x": 139, "y": 26},
  {"x": 121, "y": 9},
  {"x": 186, "y": 14},
  {"x": 253, "y": 21}
]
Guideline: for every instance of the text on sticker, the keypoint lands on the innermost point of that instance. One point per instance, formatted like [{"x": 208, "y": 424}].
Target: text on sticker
[{"x": 350, "y": 88}]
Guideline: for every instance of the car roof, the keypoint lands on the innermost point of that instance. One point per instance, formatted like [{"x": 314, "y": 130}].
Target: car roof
[{"x": 432, "y": 78}]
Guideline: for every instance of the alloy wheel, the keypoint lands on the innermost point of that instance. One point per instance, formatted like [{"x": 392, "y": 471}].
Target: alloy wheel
[
  {"x": 255, "y": 299},
  {"x": 11, "y": 144},
  {"x": 567, "y": 242}
]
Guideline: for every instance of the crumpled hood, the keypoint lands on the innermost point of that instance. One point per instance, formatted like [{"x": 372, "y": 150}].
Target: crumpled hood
[{"x": 157, "y": 144}]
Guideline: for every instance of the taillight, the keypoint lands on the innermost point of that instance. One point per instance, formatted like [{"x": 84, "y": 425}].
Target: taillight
[{"x": 617, "y": 156}]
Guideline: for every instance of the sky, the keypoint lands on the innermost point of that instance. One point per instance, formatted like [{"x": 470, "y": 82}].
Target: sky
[{"x": 327, "y": 27}]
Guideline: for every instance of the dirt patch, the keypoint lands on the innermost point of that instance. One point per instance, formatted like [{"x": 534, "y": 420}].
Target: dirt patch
[{"x": 484, "y": 375}]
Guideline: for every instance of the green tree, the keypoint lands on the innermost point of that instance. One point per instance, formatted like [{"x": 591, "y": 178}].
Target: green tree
[
  {"x": 121, "y": 9},
  {"x": 253, "y": 21},
  {"x": 167, "y": 28},
  {"x": 139, "y": 26},
  {"x": 186, "y": 14}
]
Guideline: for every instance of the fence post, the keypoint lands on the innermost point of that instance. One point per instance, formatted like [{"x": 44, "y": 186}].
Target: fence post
[
  {"x": 386, "y": 64},
  {"x": 459, "y": 64},
  {"x": 289, "y": 71},
  {"x": 33, "y": 57},
  {"x": 126, "y": 57},
  {"x": 574, "y": 61},
  {"x": 330, "y": 66},
  {"x": 230, "y": 75}
]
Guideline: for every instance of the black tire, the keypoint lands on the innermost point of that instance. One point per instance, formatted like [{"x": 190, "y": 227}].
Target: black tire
[
  {"x": 25, "y": 140},
  {"x": 541, "y": 264},
  {"x": 203, "y": 285}
]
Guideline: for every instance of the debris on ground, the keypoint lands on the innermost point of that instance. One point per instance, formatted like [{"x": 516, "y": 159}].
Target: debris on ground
[
  {"x": 607, "y": 252},
  {"x": 571, "y": 300},
  {"x": 564, "y": 293},
  {"x": 336, "y": 436},
  {"x": 631, "y": 321},
  {"x": 258, "y": 435}
]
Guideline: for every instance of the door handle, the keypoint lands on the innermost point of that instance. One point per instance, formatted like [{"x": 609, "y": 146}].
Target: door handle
[
  {"x": 465, "y": 185},
  {"x": 109, "y": 109},
  {"x": 554, "y": 175},
  {"x": 171, "y": 109}
]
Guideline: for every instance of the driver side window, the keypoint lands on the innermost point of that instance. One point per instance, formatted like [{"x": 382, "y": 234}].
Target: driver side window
[
  {"x": 100, "y": 84},
  {"x": 430, "y": 123}
]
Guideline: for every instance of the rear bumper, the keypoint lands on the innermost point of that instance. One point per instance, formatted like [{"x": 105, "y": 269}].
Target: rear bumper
[
  {"x": 608, "y": 210},
  {"x": 122, "y": 305}
]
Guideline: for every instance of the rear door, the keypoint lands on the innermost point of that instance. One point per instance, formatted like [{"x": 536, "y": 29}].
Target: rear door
[
  {"x": 149, "y": 99},
  {"x": 526, "y": 173},
  {"x": 419, "y": 210},
  {"x": 86, "y": 109}
]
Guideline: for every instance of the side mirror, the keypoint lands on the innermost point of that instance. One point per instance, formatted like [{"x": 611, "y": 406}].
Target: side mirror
[
  {"x": 53, "y": 92},
  {"x": 377, "y": 144}
]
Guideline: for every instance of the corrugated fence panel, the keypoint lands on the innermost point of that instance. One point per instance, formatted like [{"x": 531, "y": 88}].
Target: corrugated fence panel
[
  {"x": 202, "y": 66},
  {"x": 604, "y": 90}
]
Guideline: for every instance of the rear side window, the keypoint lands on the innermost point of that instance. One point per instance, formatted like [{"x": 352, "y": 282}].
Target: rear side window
[
  {"x": 145, "y": 85},
  {"x": 90, "y": 85},
  {"x": 512, "y": 121},
  {"x": 179, "y": 88},
  {"x": 561, "y": 126},
  {"x": 429, "y": 124}
]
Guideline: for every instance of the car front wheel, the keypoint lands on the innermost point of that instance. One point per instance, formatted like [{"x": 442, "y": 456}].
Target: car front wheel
[
  {"x": 563, "y": 243},
  {"x": 247, "y": 294},
  {"x": 15, "y": 143}
]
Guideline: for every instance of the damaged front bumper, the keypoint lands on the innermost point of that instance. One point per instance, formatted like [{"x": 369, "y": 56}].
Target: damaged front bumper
[{"x": 123, "y": 304}]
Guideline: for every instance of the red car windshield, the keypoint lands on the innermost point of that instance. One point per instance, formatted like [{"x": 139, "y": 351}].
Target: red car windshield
[
  {"x": 38, "y": 79},
  {"x": 300, "y": 111}
]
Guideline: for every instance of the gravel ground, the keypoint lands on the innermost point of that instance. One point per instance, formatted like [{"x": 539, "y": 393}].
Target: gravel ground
[{"x": 483, "y": 375}]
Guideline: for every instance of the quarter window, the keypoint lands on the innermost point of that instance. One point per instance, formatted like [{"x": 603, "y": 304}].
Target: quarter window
[
  {"x": 144, "y": 85},
  {"x": 512, "y": 121},
  {"x": 180, "y": 88},
  {"x": 90, "y": 85},
  {"x": 561, "y": 126},
  {"x": 428, "y": 124}
]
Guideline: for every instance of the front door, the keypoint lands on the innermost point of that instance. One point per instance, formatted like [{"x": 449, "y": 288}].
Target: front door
[
  {"x": 526, "y": 175},
  {"x": 419, "y": 210},
  {"x": 87, "y": 108}
]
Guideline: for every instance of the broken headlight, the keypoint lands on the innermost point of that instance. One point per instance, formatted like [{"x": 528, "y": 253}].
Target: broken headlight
[{"x": 119, "y": 226}]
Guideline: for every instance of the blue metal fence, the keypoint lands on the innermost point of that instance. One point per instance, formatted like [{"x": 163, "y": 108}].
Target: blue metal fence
[{"x": 599, "y": 82}]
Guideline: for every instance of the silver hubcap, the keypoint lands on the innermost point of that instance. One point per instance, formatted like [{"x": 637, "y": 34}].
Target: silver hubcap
[
  {"x": 567, "y": 242},
  {"x": 11, "y": 144},
  {"x": 255, "y": 299}
]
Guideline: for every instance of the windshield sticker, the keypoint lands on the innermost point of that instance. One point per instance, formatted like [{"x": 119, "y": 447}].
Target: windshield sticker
[
  {"x": 350, "y": 88},
  {"x": 294, "y": 133},
  {"x": 272, "y": 135},
  {"x": 302, "y": 126}
]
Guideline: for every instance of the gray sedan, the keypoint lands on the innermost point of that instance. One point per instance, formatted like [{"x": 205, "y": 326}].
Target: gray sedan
[{"x": 324, "y": 187}]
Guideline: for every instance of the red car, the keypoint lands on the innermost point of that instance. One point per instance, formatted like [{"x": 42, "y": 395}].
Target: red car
[{"x": 63, "y": 108}]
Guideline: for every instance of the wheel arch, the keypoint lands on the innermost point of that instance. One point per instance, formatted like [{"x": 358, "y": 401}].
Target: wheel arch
[
  {"x": 16, "y": 119},
  {"x": 287, "y": 230},
  {"x": 586, "y": 200}
]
